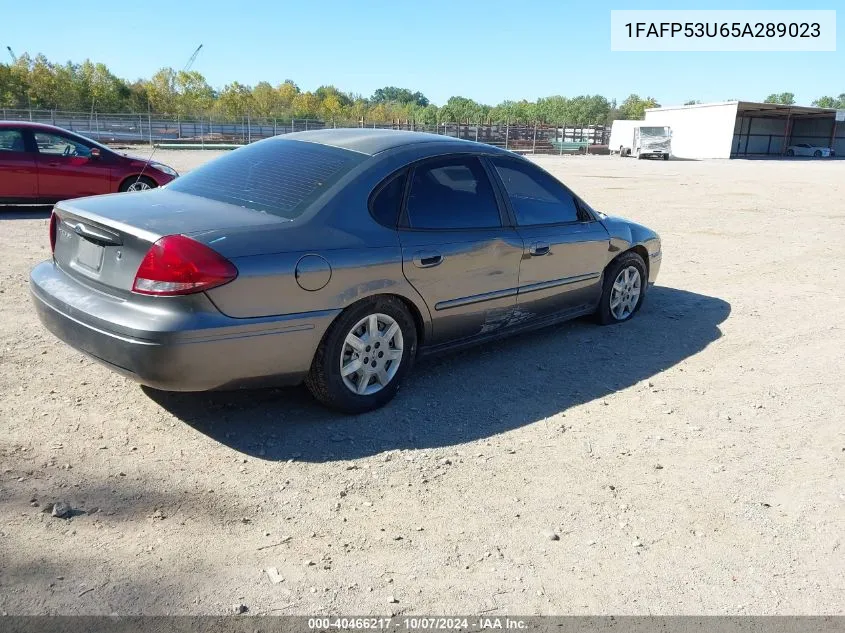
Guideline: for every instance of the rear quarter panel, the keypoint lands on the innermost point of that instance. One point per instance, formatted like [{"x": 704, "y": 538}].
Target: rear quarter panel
[{"x": 365, "y": 258}]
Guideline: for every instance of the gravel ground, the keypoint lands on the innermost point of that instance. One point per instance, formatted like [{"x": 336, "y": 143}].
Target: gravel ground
[{"x": 687, "y": 462}]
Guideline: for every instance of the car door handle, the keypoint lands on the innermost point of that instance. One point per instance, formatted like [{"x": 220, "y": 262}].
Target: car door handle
[
  {"x": 53, "y": 164},
  {"x": 427, "y": 259},
  {"x": 538, "y": 248}
]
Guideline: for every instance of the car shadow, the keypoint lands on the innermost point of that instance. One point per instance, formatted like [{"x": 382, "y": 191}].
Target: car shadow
[
  {"x": 463, "y": 397},
  {"x": 23, "y": 212}
]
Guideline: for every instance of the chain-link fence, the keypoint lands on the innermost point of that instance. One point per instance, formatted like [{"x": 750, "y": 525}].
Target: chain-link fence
[{"x": 156, "y": 128}]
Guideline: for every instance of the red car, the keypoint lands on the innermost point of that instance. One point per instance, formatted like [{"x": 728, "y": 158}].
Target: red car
[{"x": 42, "y": 164}]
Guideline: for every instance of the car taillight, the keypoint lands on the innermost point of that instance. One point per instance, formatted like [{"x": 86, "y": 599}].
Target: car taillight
[
  {"x": 54, "y": 223},
  {"x": 178, "y": 265}
]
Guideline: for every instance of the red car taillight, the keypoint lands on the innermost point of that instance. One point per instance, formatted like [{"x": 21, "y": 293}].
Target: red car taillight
[
  {"x": 54, "y": 222},
  {"x": 177, "y": 265}
]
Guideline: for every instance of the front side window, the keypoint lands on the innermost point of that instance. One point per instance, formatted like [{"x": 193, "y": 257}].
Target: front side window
[
  {"x": 452, "y": 193},
  {"x": 536, "y": 197},
  {"x": 12, "y": 141},
  {"x": 55, "y": 145}
]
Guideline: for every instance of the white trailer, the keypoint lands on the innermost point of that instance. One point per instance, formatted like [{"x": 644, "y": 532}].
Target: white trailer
[{"x": 635, "y": 138}]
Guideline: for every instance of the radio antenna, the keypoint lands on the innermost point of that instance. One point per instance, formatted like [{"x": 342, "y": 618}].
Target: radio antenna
[{"x": 186, "y": 68}]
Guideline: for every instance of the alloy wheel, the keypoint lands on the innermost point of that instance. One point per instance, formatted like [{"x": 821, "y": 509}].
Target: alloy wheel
[
  {"x": 371, "y": 354},
  {"x": 625, "y": 293},
  {"x": 139, "y": 185}
]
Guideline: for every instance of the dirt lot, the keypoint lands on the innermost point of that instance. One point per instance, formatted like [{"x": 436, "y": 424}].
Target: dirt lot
[{"x": 690, "y": 461}]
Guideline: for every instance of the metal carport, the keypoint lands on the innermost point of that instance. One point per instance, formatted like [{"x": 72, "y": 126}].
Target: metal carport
[{"x": 767, "y": 129}]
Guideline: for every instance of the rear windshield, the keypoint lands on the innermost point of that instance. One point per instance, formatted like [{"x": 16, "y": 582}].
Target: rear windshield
[{"x": 275, "y": 176}]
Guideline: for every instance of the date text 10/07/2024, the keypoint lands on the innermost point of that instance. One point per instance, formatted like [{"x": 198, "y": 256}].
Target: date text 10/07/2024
[{"x": 417, "y": 624}]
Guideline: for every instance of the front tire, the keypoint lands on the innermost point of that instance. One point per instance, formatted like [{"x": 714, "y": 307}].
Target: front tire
[
  {"x": 817, "y": 154},
  {"x": 625, "y": 283},
  {"x": 665, "y": 156},
  {"x": 138, "y": 183},
  {"x": 364, "y": 356},
  {"x": 790, "y": 152}
]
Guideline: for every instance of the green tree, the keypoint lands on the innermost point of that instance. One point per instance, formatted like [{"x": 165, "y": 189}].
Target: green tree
[
  {"x": 784, "y": 98},
  {"x": 42, "y": 84},
  {"x": 287, "y": 92},
  {"x": 831, "y": 102},
  {"x": 7, "y": 89},
  {"x": 194, "y": 97},
  {"x": 461, "y": 110},
  {"x": 634, "y": 107},
  {"x": 398, "y": 95},
  {"x": 357, "y": 110},
  {"x": 590, "y": 110},
  {"x": 325, "y": 92},
  {"x": 554, "y": 109},
  {"x": 331, "y": 107},
  {"x": 826, "y": 102},
  {"x": 72, "y": 92},
  {"x": 266, "y": 100},
  {"x": 306, "y": 105},
  {"x": 139, "y": 98},
  {"x": 235, "y": 101},
  {"x": 503, "y": 112},
  {"x": 19, "y": 83},
  {"x": 161, "y": 91},
  {"x": 101, "y": 89}
]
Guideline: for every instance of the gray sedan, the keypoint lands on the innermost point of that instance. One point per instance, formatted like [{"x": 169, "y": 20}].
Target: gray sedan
[{"x": 333, "y": 257}]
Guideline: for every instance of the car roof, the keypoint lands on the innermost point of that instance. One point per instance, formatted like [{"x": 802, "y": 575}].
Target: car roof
[
  {"x": 31, "y": 125},
  {"x": 374, "y": 141}
]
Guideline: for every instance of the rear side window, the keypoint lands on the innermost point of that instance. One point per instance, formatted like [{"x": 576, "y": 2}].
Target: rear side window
[
  {"x": 276, "y": 176},
  {"x": 11, "y": 141},
  {"x": 536, "y": 197},
  {"x": 387, "y": 200},
  {"x": 452, "y": 193}
]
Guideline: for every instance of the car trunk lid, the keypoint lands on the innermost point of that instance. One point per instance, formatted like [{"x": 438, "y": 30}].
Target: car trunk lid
[{"x": 102, "y": 240}]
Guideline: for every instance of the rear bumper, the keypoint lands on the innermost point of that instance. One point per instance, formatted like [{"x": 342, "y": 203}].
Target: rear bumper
[{"x": 202, "y": 350}]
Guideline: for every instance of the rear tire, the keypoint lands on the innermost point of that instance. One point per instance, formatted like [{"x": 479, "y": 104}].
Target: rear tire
[
  {"x": 135, "y": 183},
  {"x": 617, "y": 289},
  {"x": 362, "y": 389},
  {"x": 817, "y": 154},
  {"x": 665, "y": 156}
]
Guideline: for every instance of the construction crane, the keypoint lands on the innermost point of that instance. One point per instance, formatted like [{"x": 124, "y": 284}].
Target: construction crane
[
  {"x": 192, "y": 59},
  {"x": 12, "y": 54}
]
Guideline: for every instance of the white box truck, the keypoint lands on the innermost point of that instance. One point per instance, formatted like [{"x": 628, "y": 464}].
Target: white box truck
[{"x": 635, "y": 138}]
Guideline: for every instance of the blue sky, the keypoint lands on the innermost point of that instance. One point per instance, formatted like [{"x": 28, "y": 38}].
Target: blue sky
[{"x": 488, "y": 50}]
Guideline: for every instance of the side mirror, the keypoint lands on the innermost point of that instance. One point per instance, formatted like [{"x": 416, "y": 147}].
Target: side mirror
[{"x": 95, "y": 152}]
